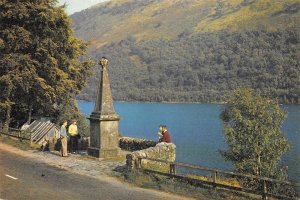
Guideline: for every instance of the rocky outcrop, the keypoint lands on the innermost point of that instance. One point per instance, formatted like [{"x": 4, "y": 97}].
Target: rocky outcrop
[{"x": 135, "y": 144}]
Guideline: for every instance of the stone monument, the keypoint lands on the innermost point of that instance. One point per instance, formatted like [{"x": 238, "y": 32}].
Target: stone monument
[{"x": 104, "y": 121}]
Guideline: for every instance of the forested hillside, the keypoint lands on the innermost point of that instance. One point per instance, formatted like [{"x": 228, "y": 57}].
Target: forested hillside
[{"x": 194, "y": 50}]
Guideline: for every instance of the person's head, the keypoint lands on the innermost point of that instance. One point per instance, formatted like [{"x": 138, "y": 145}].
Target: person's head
[
  {"x": 162, "y": 127},
  {"x": 65, "y": 122},
  {"x": 74, "y": 122}
]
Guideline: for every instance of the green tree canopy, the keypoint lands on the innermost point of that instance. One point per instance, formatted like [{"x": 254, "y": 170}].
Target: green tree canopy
[
  {"x": 39, "y": 59},
  {"x": 252, "y": 127}
]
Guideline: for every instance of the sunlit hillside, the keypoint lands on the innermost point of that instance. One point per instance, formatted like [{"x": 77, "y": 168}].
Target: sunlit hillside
[
  {"x": 166, "y": 19},
  {"x": 194, "y": 50}
]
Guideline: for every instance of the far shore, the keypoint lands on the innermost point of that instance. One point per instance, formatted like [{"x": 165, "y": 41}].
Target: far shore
[
  {"x": 177, "y": 102},
  {"x": 164, "y": 102}
]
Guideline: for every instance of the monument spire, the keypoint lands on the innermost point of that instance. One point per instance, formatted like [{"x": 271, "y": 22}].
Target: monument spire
[
  {"x": 104, "y": 121},
  {"x": 104, "y": 107}
]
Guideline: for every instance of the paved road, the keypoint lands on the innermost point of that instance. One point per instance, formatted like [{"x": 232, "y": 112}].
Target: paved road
[{"x": 22, "y": 178}]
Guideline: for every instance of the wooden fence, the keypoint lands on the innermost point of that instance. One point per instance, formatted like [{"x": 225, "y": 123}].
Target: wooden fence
[
  {"x": 214, "y": 181},
  {"x": 83, "y": 143},
  {"x": 17, "y": 133}
]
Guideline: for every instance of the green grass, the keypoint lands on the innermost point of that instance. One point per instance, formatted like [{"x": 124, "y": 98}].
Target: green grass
[
  {"x": 18, "y": 143},
  {"x": 181, "y": 187}
]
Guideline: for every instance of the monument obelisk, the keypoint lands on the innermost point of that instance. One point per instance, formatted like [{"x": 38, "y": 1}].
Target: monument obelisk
[{"x": 104, "y": 121}]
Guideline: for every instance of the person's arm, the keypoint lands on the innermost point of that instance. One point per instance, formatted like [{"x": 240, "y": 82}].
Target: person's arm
[
  {"x": 76, "y": 129},
  {"x": 63, "y": 131},
  {"x": 163, "y": 139},
  {"x": 70, "y": 129}
]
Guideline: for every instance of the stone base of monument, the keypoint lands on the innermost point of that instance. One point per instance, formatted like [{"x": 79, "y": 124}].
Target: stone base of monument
[{"x": 103, "y": 153}]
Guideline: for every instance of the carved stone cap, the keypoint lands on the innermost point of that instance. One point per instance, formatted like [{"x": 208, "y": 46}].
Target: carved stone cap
[{"x": 103, "y": 62}]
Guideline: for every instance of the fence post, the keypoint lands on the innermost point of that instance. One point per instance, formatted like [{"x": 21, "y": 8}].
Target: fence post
[
  {"x": 137, "y": 163},
  {"x": 140, "y": 163},
  {"x": 265, "y": 196},
  {"x": 172, "y": 168},
  {"x": 215, "y": 179}
]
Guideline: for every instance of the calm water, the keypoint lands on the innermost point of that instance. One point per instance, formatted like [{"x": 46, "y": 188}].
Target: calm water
[{"x": 196, "y": 130}]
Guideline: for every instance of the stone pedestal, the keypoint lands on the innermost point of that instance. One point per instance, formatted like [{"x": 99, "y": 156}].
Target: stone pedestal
[
  {"x": 104, "y": 121},
  {"x": 104, "y": 136}
]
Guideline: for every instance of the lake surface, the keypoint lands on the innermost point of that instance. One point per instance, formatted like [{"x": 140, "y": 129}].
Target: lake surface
[{"x": 196, "y": 130}]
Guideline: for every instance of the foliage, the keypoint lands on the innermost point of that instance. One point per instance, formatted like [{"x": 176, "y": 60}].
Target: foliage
[
  {"x": 70, "y": 111},
  {"x": 39, "y": 60},
  {"x": 200, "y": 67},
  {"x": 252, "y": 127},
  {"x": 192, "y": 51},
  {"x": 115, "y": 20}
]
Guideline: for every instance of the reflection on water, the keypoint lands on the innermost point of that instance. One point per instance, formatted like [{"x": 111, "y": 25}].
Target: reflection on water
[{"x": 196, "y": 130}]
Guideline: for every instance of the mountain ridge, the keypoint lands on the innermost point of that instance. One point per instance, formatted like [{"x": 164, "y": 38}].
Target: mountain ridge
[
  {"x": 194, "y": 50},
  {"x": 141, "y": 19}
]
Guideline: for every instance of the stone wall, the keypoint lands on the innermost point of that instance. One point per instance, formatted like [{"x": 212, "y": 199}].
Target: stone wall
[
  {"x": 135, "y": 144},
  {"x": 162, "y": 151}
]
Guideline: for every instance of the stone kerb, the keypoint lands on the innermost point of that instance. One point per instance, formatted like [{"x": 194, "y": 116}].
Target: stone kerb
[{"x": 162, "y": 151}]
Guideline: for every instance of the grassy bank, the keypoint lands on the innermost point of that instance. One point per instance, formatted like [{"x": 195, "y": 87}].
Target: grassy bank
[
  {"x": 18, "y": 143},
  {"x": 182, "y": 187}
]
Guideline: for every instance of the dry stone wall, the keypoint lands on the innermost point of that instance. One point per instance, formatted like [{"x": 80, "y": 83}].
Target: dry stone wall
[
  {"x": 135, "y": 144},
  {"x": 162, "y": 151}
]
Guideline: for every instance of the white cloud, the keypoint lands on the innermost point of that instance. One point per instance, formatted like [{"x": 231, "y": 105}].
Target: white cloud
[{"x": 78, "y": 5}]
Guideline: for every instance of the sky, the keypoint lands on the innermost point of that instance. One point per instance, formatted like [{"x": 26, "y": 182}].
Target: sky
[{"x": 78, "y": 5}]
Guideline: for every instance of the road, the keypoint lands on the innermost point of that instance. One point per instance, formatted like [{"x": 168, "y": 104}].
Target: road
[{"x": 24, "y": 178}]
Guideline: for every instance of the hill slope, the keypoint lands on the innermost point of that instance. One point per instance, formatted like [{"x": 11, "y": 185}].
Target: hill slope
[{"x": 193, "y": 50}]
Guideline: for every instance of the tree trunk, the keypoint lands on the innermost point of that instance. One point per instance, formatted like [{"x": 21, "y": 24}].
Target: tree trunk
[
  {"x": 29, "y": 113},
  {"x": 7, "y": 120}
]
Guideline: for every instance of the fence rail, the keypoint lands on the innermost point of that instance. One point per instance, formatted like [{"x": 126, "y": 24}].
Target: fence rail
[
  {"x": 13, "y": 132},
  {"x": 216, "y": 173}
]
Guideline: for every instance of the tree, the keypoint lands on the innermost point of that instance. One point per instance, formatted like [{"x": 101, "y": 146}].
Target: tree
[
  {"x": 252, "y": 127},
  {"x": 39, "y": 59},
  {"x": 71, "y": 111}
]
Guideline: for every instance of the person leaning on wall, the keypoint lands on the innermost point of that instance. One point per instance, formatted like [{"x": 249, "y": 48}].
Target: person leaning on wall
[{"x": 164, "y": 135}]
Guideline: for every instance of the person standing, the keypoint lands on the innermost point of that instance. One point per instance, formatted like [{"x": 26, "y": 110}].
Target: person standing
[
  {"x": 64, "y": 140},
  {"x": 73, "y": 132}
]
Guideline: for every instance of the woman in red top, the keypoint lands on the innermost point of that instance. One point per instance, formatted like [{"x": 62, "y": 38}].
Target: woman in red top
[{"x": 166, "y": 135}]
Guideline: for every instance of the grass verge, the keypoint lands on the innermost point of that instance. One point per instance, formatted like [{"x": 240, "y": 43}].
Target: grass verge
[
  {"x": 186, "y": 188},
  {"x": 18, "y": 143}
]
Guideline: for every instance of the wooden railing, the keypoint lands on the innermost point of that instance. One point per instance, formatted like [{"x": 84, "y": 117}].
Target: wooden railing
[
  {"x": 17, "y": 133},
  {"x": 215, "y": 178}
]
